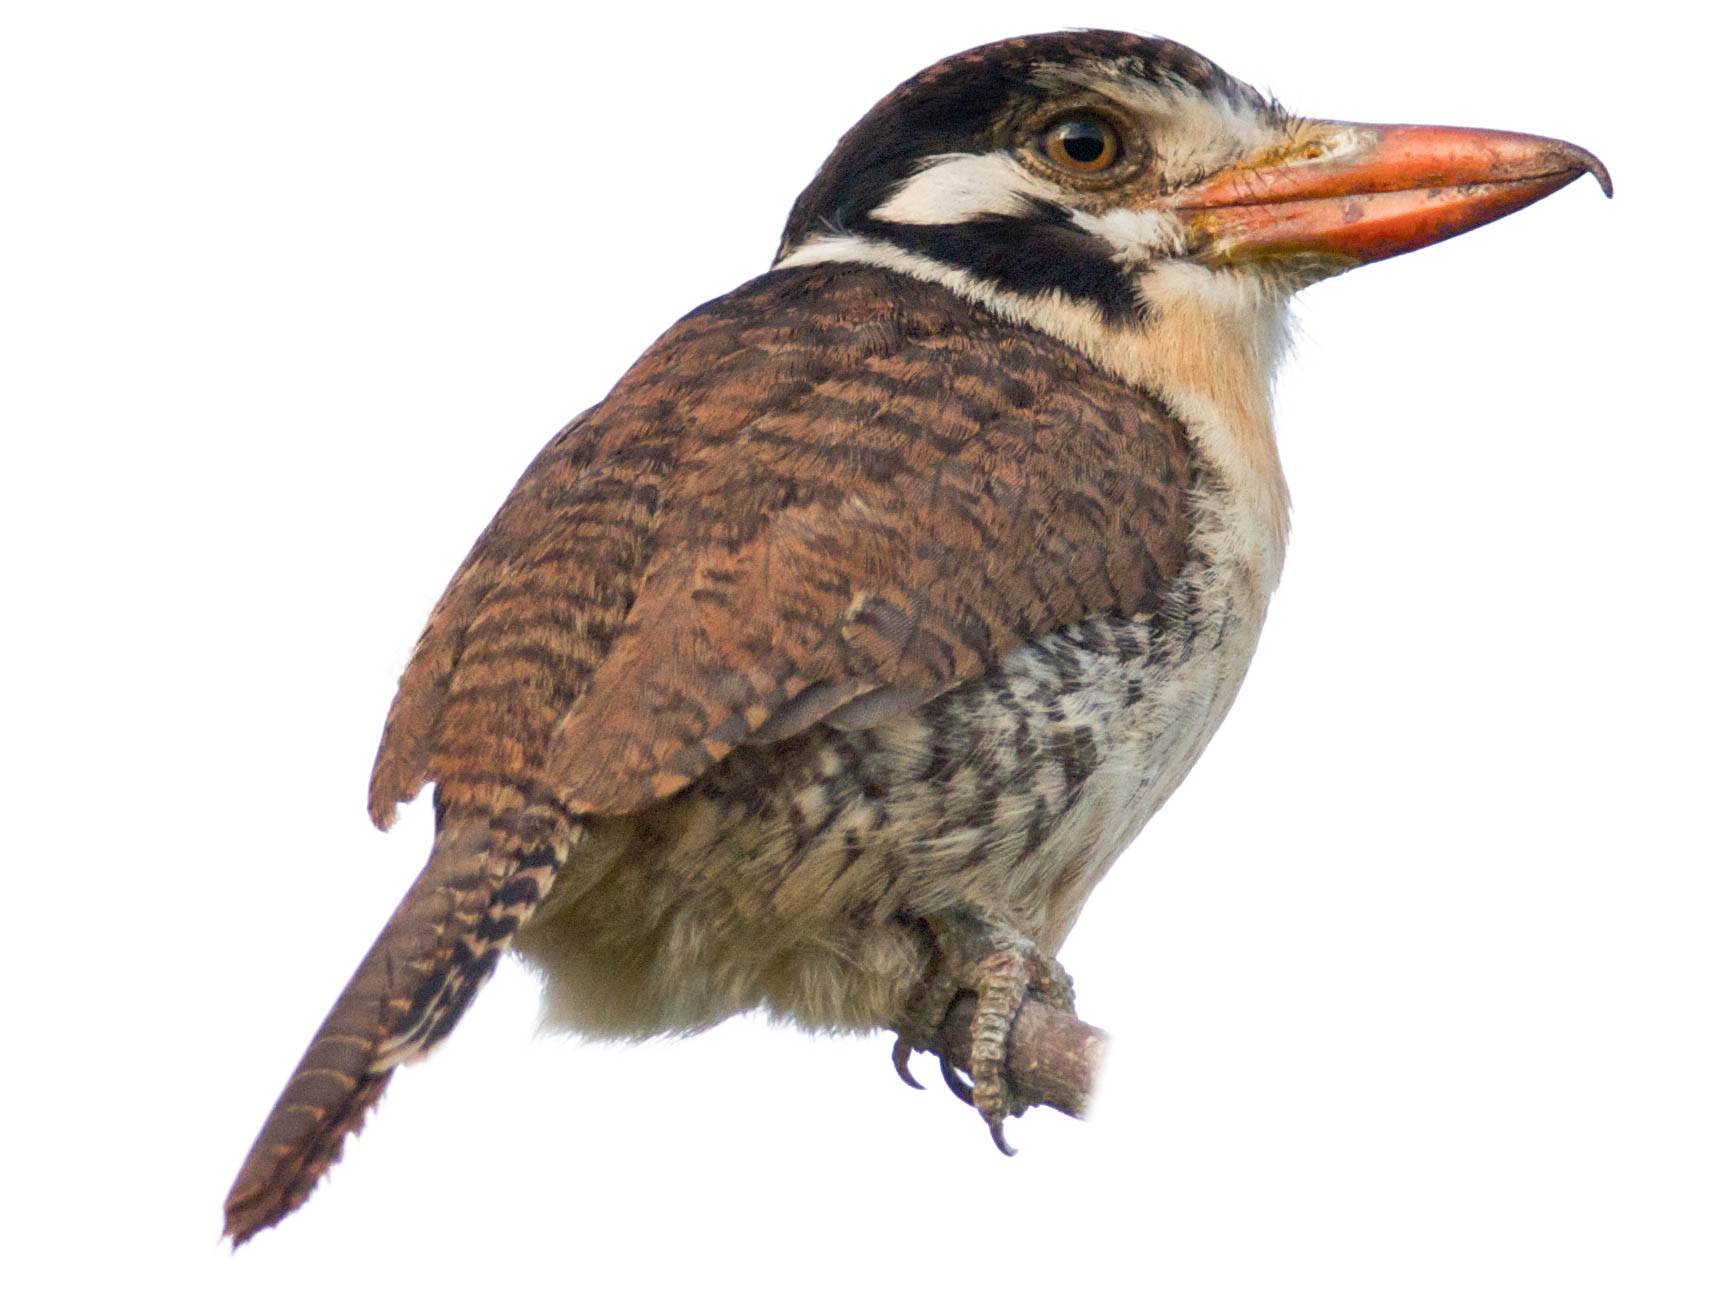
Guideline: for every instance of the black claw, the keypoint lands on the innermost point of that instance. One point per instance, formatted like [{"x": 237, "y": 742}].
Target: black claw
[
  {"x": 900, "y": 1055},
  {"x": 998, "y": 1129},
  {"x": 959, "y": 1087}
]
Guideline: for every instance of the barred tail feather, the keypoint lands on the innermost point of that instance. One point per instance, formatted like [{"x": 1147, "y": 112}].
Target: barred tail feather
[{"x": 412, "y": 987}]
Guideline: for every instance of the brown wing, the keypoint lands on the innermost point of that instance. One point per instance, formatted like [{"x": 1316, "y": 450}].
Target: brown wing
[{"x": 834, "y": 492}]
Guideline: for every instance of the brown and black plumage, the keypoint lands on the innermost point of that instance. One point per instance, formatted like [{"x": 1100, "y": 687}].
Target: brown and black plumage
[{"x": 827, "y": 664}]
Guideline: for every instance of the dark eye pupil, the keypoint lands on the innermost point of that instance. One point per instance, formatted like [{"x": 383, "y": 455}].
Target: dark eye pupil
[{"x": 1083, "y": 142}]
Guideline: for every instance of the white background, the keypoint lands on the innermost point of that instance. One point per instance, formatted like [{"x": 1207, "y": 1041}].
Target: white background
[{"x": 1414, "y": 984}]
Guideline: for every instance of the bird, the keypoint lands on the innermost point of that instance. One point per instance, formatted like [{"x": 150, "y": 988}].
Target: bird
[{"x": 826, "y": 665}]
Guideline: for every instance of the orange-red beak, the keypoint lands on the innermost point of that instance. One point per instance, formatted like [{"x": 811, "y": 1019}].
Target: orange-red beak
[{"x": 1361, "y": 193}]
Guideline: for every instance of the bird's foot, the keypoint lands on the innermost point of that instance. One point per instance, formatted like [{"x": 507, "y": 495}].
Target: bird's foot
[{"x": 1001, "y": 968}]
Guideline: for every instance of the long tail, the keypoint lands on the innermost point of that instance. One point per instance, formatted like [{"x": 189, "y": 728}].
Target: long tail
[{"x": 412, "y": 987}]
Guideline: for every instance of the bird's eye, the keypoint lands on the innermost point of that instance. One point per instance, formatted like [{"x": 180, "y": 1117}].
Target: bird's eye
[{"x": 1084, "y": 144}]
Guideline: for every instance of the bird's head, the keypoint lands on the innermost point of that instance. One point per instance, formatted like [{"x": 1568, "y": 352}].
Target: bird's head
[{"x": 1091, "y": 181}]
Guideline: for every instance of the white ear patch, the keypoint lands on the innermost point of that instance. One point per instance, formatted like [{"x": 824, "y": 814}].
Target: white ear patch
[{"x": 960, "y": 186}]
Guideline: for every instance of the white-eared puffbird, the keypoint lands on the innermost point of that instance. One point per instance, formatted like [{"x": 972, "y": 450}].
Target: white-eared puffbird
[{"x": 826, "y": 665}]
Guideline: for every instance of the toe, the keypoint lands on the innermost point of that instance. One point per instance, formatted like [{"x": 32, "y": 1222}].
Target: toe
[
  {"x": 954, "y": 1079},
  {"x": 900, "y": 1055}
]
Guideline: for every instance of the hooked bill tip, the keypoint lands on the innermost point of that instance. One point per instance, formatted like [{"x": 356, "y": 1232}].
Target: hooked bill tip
[{"x": 1592, "y": 165}]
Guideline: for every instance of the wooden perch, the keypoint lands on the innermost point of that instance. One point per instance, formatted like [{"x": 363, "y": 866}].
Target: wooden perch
[{"x": 1052, "y": 1058}]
